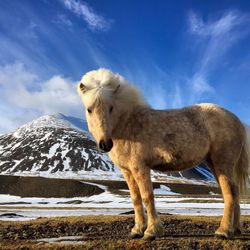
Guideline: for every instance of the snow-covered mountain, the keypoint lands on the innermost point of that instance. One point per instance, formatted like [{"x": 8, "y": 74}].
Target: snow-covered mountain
[
  {"x": 52, "y": 144},
  {"x": 59, "y": 145}
]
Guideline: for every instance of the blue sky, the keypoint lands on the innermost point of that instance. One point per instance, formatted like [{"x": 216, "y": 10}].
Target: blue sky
[{"x": 177, "y": 52}]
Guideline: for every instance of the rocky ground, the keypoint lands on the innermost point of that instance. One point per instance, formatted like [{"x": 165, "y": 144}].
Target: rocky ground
[{"x": 112, "y": 232}]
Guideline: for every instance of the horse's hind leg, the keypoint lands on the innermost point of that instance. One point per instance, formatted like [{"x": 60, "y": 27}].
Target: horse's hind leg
[
  {"x": 226, "y": 226},
  {"x": 140, "y": 224},
  {"x": 237, "y": 226},
  {"x": 228, "y": 189},
  {"x": 143, "y": 179}
]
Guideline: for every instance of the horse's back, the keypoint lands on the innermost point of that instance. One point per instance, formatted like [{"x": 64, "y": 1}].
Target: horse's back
[{"x": 220, "y": 122}]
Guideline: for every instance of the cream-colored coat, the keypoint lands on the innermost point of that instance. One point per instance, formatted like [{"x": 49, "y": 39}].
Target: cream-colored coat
[{"x": 165, "y": 140}]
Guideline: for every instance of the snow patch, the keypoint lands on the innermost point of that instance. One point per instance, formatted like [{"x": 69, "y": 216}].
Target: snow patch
[
  {"x": 64, "y": 239},
  {"x": 163, "y": 190}
]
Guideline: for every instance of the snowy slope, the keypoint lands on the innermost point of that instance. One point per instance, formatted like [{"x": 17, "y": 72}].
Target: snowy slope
[
  {"x": 51, "y": 145},
  {"x": 73, "y": 122}
]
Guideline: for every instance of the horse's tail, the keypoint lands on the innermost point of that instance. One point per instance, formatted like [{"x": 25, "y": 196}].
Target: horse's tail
[{"x": 242, "y": 170}]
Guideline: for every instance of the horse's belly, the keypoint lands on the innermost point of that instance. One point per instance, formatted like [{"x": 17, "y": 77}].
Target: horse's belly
[
  {"x": 179, "y": 158},
  {"x": 173, "y": 166}
]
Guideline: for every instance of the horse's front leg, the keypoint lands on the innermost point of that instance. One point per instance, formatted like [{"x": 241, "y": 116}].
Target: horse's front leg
[
  {"x": 143, "y": 180},
  {"x": 140, "y": 223}
]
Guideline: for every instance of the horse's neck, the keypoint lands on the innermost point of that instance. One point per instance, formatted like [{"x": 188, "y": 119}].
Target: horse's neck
[
  {"x": 121, "y": 125},
  {"x": 128, "y": 121}
]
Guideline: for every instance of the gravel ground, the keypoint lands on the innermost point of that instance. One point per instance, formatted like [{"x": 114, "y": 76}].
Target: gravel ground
[{"x": 112, "y": 232}]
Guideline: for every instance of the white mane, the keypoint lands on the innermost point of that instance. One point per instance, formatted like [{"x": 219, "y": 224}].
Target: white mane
[{"x": 103, "y": 84}]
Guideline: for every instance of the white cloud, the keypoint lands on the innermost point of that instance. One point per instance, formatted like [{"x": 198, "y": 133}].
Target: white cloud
[
  {"x": 176, "y": 98},
  {"x": 223, "y": 25},
  {"x": 22, "y": 92},
  {"x": 214, "y": 39},
  {"x": 196, "y": 24},
  {"x": 63, "y": 21},
  {"x": 199, "y": 88},
  {"x": 94, "y": 21},
  {"x": 218, "y": 35},
  {"x": 14, "y": 75},
  {"x": 55, "y": 95}
]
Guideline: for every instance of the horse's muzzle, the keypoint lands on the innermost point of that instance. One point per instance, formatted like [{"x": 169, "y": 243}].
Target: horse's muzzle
[{"x": 106, "y": 146}]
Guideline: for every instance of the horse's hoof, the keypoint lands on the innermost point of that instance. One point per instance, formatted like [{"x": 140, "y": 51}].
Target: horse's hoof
[
  {"x": 221, "y": 236},
  {"x": 237, "y": 231},
  {"x": 148, "y": 237},
  {"x": 135, "y": 236},
  {"x": 224, "y": 235}
]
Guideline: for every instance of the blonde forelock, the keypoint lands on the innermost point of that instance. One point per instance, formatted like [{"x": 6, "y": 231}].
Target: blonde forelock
[{"x": 102, "y": 84}]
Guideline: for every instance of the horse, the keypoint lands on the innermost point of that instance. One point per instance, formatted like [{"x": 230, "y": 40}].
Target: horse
[{"x": 139, "y": 139}]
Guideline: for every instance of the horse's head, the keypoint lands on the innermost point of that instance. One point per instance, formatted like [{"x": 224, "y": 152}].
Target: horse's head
[
  {"x": 107, "y": 97},
  {"x": 98, "y": 90}
]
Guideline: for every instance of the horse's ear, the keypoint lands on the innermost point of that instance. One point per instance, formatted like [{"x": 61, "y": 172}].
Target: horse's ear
[
  {"x": 116, "y": 89},
  {"x": 82, "y": 87}
]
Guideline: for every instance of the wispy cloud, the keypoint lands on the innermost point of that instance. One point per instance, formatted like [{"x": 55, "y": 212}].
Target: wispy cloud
[
  {"x": 199, "y": 88},
  {"x": 93, "y": 20},
  {"x": 176, "y": 97},
  {"x": 63, "y": 20},
  {"x": 219, "y": 35},
  {"x": 57, "y": 94},
  {"x": 47, "y": 50},
  {"x": 14, "y": 76},
  {"x": 219, "y": 27},
  {"x": 215, "y": 38}
]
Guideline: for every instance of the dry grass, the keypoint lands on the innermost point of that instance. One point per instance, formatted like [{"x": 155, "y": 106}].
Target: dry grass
[{"x": 112, "y": 232}]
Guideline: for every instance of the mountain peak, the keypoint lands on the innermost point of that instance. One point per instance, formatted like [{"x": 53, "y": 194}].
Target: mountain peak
[
  {"x": 46, "y": 121},
  {"x": 76, "y": 122},
  {"x": 52, "y": 121}
]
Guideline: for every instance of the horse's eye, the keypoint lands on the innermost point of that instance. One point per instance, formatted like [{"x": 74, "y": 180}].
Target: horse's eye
[
  {"x": 89, "y": 111},
  {"x": 110, "y": 109}
]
